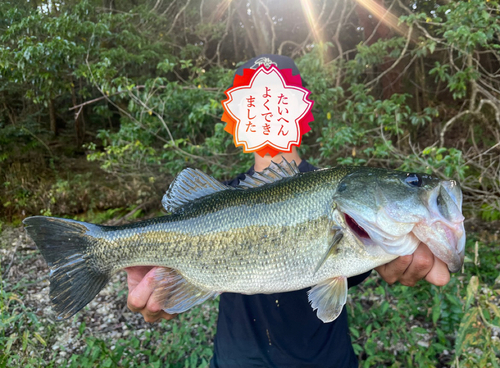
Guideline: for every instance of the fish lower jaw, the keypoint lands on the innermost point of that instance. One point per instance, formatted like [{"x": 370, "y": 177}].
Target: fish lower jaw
[
  {"x": 451, "y": 234},
  {"x": 446, "y": 242},
  {"x": 377, "y": 241}
]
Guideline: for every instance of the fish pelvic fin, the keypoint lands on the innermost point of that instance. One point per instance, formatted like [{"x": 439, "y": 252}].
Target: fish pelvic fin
[
  {"x": 64, "y": 244},
  {"x": 329, "y": 297},
  {"x": 189, "y": 185},
  {"x": 175, "y": 294}
]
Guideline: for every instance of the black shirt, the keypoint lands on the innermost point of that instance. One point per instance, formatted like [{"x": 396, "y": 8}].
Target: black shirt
[{"x": 279, "y": 330}]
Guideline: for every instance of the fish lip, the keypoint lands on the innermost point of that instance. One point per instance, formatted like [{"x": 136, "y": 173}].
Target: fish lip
[
  {"x": 456, "y": 265},
  {"x": 438, "y": 233},
  {"x": 444, "y": 227}
]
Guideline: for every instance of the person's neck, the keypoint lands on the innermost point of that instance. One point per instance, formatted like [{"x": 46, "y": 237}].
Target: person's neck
[{"x": 262, "y": 162}]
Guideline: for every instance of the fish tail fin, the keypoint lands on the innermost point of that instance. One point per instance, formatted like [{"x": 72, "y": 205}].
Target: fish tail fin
[{"x": 65, "y": 245}]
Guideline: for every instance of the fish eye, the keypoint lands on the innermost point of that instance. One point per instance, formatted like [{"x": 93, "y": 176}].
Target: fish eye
[{"x": 413, "y": 180}]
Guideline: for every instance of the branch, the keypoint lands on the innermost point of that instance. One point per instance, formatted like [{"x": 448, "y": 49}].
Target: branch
[
  {"x": 273, "y": 39},
  {"x": 177, "y": 16},
  {"x": 105, "y": 97},
  {"x": 376, "y": 10},
  {"x": 449, "y": 123},
  {"x": 336, "y": 39},
  {"x": 482, "y": 153},
  {"x": 168, "y": 8},
  {"x": 312, "y": 30},
  {"x": 242, "y": 14},
  {"x": 230, "y": 14},
  {"x": 280, "y": 49},
  {"x": 466, "y": 112},
  {"x": 401, "y": 56}
]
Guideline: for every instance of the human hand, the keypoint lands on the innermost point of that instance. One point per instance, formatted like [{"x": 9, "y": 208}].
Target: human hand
[
  {"x": 422, "y": 264},
  {"x": 141, "y": 281}
]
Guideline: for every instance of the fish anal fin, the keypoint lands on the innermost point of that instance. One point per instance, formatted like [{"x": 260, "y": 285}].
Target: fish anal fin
[
  {"x": 175, "y": 294},
  {"x": 328, "y": 298},
  {"x": 337, "y": 235}
]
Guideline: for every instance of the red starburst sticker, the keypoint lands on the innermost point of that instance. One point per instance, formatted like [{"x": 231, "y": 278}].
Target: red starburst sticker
[{"x": 267, "y": 110}]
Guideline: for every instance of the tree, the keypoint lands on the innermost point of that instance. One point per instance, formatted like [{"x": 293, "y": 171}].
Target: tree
[{"x": 409, "y": 84}]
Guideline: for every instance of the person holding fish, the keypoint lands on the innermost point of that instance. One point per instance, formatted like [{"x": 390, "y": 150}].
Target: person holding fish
[
  {"x": 281, "y": 244},
  {"x": 281, "y": 329}
]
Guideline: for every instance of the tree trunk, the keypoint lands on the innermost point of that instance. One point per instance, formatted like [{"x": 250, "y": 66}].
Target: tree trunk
[
  {"x": 375, "y": 30},
  {"x": 257, "y": 27},
  {"x": 52, "y": 115},
  {"x": 79, "y": 124}
]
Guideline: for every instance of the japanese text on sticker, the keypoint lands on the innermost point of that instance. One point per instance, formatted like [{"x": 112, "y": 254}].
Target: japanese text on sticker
[{"x": 267, "y": 111}]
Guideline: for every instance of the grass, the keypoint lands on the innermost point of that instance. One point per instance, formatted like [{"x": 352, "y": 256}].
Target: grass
[
  {"x": 391, "y": 326},
  {"x": 429, "y": 326}
]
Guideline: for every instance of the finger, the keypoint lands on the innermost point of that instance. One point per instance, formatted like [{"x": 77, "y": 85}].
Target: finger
[
  {"x": 439, "y": 275},
  {"x": 154, "y": 317},
  {"x": 154, "y": 311},
  {"x": 392, "y": 271},
  {"x": 135, "y": 275},
  {"x": 421, "y": 264},
  {"x": 139, "y": 296}
]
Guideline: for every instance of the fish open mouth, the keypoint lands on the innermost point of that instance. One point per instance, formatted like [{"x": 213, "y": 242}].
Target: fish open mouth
[
  {"x": 355, "y": 227},
  {"x": 392, "y": 236}
]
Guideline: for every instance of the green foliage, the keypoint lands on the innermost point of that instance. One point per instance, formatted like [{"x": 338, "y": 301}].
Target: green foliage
[
  {"x": 391, "y": 326},
  {"x": 23, "y": 337},
  {"x": 477, "y": 343},
  {"x": 427, "y": 326},
  {"x": 490, "y": 212},
  {"x": 442, "y": 161},
  {"x": 153, "y": 86},
  {"x": 184, "y": 342},
  {"x": 146, "y": 83}
]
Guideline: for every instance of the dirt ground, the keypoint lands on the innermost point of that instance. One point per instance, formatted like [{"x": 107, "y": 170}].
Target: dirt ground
[{"x": 25, "y": 273}]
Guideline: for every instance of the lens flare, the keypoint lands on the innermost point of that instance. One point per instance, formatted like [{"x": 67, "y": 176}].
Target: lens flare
[
  {"x": 311, "y": 18},
  {"x": 385, "y": 16}
]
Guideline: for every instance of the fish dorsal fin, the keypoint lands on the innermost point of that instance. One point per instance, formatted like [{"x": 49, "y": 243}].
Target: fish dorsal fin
[
  {"x": 329, "y": 297},
  {"x": 175, "y": 294},
  {"x": 273, "y": 173},
  {"x": 189, "y": 185}
]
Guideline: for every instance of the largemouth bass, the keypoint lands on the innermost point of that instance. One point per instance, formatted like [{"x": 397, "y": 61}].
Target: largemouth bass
[{"x": 281, "y": 230}]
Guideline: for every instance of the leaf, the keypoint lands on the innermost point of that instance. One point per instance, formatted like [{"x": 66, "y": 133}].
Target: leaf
[
  {"x": 420, "y": 330},
  {"x": 472, "y": 289},
  {"x": 436, "y": 312},
  {"x": 432, "y": 46},
  {"x": 463, "y": 334}
]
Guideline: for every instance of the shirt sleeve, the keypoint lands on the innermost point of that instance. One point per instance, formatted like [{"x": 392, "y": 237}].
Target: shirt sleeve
[{"x": 358, "y": 279}]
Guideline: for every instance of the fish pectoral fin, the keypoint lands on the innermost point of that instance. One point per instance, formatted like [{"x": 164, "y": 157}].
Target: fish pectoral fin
[
  {"x": 175, "y": 294},
  {"x": 329, "y": 298},
  {"x": 336, "y": 238}
]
